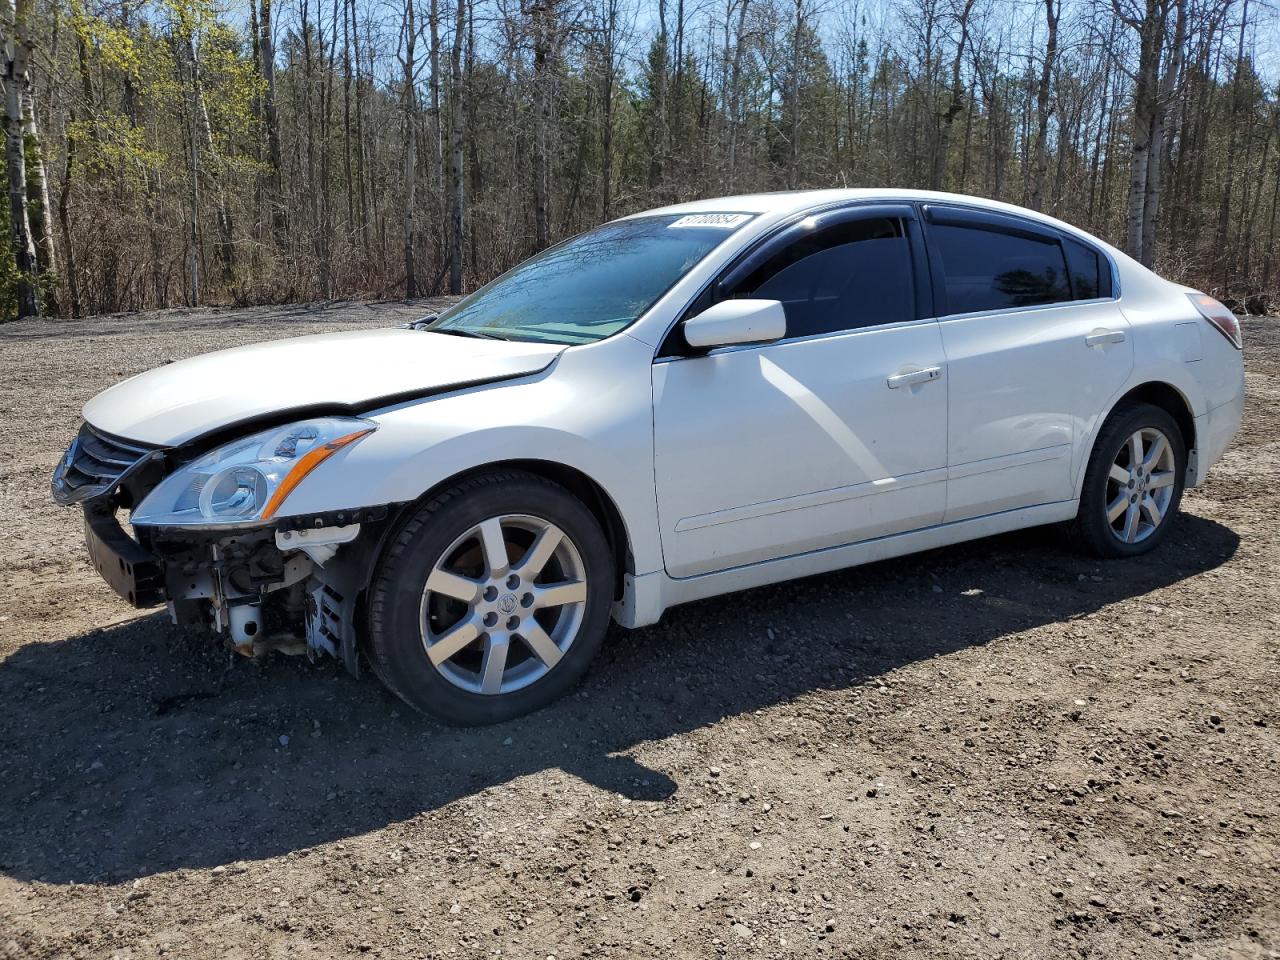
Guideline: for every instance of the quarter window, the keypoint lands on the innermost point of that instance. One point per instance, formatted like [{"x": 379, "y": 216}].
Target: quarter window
[
  {"x": 1090, "y": 276},
  {"x": 990, "y": 270},
  {"x": 850, "y": 275}
]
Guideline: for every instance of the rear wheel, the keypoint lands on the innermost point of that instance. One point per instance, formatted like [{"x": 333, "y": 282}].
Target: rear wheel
[
  {"x": 492, "y": 600},
  {"x": 1133, "y": 484}
]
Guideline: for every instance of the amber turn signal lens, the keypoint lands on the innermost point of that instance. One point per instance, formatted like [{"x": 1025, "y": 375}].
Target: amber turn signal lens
[{"x": 309, "y": 461}]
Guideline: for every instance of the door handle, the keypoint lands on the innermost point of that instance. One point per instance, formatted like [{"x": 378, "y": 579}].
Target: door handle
[
  {"x": 914, "y": 377},
  {"x": 1101, "y": 337}
]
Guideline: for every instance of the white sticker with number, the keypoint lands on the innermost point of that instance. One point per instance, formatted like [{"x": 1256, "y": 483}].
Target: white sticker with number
[{"x": 725, "y": 221}]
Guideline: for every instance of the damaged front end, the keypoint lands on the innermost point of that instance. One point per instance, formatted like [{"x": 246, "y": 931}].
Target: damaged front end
[
  {"x": 292, "y": 587},
  {"x": 206, "y": 536}
]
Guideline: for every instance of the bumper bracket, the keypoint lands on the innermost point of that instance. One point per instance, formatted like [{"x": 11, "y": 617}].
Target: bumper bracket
[{"x": 120, "y": 560}]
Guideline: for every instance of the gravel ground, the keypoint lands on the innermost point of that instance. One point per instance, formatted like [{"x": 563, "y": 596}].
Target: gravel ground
[{"x": 998, "y": 749}]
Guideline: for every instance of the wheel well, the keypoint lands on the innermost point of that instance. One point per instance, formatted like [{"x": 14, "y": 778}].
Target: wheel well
[
  {"x": 576, "y": 482},
  {"x": 1171, "y": 401}
]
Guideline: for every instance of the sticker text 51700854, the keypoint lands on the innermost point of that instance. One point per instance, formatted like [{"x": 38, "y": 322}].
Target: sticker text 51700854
[{"x": 725, "y": 221}]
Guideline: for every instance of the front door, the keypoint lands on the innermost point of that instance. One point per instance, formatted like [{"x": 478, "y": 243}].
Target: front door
[{"x": 835, "y": 434}]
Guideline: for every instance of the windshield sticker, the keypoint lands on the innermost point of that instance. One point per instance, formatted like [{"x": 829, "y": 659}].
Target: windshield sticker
[{"x": 724, "y": 221}]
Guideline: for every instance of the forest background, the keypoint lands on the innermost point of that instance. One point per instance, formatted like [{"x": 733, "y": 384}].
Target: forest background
[{"x": 171, "y": 152}]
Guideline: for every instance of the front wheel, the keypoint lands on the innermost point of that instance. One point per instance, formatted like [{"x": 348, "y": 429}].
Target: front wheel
[
  {"x": 492, "y": 600},
  {"x": 1133, "y": 484}
]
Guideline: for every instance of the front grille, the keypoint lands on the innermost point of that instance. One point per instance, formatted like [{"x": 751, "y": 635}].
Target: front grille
[{"x": 94, "y": 464}]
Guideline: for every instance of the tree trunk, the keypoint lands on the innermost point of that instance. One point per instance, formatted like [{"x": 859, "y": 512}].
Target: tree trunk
[
  {"x": 226, "y": 245},
  {"x": 456, "y": 131},
  {"x": 1159, "y": 123},
  {"x": 349, "y": 180},
  {"x": 193, "y": 277},
  {"x": 18, "y": 47},
  {"x": 38, "y": 190},
  {"x": 608, "y": 54},
  {"x": 324, "y": 240},
  {"x": 735, "y": 92},
  {"x": 1043, "y": 112},
  {"x": 1104, "y": 123},
  {"x": 1150, "y": 30},
  {"x": 267, "y": 67},
  {"x": 361, "y": 157},
  {"x": 543, "y": 16},
  {"x": 658, "y": 95},
  {"x": 957, "y": 102},
  {"x": 437, "y": 127},
  {"x": 72, "y": 307},
  {"x": 793, "y": 95},
  {"x": 1234, "y": 123},
  {"x": 410, "y": 111}
]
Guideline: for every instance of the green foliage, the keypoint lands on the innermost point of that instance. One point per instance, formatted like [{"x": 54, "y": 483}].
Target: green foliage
[
  {"x": 112, "y": 46},
  {"x": 166, "y": 119},
  {"x": 112, "y": 147},
  {"x": 9, "y": 274}
]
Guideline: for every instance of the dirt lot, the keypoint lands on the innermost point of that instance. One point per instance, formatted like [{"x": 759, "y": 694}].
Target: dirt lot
[{"x": 1001, "y": 749}]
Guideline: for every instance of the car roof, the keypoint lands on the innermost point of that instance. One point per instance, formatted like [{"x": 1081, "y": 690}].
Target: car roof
[
  {"x": 787, "y": 202},
  {"x": 783, "y": 201}
]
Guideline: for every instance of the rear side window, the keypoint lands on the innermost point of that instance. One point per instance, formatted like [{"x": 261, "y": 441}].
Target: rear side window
[
  {"x": 1090, "y": 273},
  {"x": 990, "y": 270},
  {"x": 850, "y": 275}
]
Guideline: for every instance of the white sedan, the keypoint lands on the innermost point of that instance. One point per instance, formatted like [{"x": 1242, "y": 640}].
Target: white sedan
[{"x": 682, "y": 403}]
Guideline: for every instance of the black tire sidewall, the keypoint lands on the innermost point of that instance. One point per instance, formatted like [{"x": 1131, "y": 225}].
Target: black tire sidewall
[
  {"x": 395, "y": 631},
  {"x": 1096, "y": 531}
]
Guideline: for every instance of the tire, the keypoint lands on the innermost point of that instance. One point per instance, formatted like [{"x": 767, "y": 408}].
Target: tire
[
  {"x": 1097, "y": 529},
  {"x": 524, "y": 653}
]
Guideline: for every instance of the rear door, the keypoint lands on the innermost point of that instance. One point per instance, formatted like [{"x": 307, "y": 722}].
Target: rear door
[
  {"x": 1036, "y": 347},
  {"x": 834, "y": 434}
]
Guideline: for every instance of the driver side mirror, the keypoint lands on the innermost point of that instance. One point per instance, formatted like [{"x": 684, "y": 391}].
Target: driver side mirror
[{"x": 736, "y": 321}]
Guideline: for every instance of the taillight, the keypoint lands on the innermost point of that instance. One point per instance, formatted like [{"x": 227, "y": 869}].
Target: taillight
[{"x": 1219, "y": 316}]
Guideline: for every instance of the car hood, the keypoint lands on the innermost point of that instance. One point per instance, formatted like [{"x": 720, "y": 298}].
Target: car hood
[{"x": 332, "y": 372}]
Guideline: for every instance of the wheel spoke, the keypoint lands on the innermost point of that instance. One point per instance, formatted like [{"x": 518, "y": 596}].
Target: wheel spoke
[
  {"x": 1135, "y": 451},
  {"x": 452, "y": 585},
  {"x": 1117, "y": 507},
  {"x": 540, "y": 643},
  {"x": 503, "y": 599},
  {"x": 494, "y": 546},
  {"x": 1154, "y": 454},
  {"x": 495, "y": 663},
  {"x": 454, "y": 641},
  {"x": 1159, "y": 480},
  {"x": 1131, "y": 518},
  {"x": 1152, "y": 510},
  {"x": 540, "y": 551},
  {"x": 1119, "y": 474},
  {"x": 558, "y": 594}
]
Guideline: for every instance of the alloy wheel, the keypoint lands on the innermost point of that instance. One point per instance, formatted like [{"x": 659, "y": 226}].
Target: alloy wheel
[
  {"x": 503, "y": 604},
  {"x": 1140, "y": 485}
]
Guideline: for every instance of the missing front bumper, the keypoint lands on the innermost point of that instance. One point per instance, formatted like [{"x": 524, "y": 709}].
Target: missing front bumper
[{"x": 294, "y": 586}]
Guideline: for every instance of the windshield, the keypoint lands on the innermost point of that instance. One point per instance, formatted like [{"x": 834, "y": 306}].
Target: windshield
[{"x": 594, "y": 285}]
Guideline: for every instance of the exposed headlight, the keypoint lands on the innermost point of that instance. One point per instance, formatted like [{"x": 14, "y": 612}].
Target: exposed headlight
[{"x": 247, "y": 481}]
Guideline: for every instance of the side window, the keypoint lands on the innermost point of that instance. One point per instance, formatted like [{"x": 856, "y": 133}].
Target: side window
[
  {"x": 1090, "y": 273},
  {"x": 990, "y": 270},
  {"x": 853, "y": 274}
]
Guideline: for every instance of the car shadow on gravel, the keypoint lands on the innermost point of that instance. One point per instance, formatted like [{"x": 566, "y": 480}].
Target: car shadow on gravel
[{"x": 140, "y": 748}]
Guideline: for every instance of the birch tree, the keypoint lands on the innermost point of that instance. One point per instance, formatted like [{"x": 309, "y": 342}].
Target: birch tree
[{"x": 18, "y": 44}]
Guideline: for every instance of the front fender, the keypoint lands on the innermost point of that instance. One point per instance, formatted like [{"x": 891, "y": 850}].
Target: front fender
[{"x": 591, "y": 412}]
